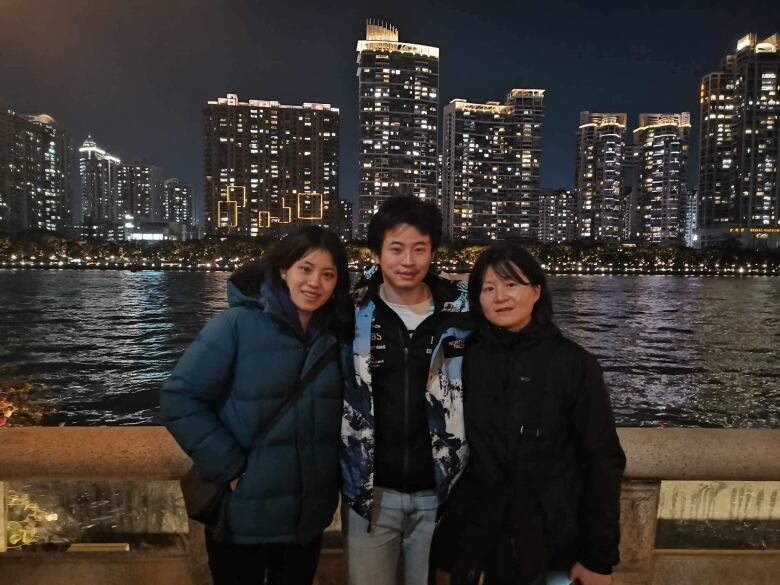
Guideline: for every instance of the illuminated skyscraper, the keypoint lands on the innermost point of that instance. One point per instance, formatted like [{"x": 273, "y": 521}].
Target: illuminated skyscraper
[
  {"x": 492, "y": 167},
  {"x": 398, "y": 111},
  {"x": 739, "y": 171},
  {"x": 691, "y": 236},
  {"x": 346, "y": 221},
  {"x": 34, "y": 172},
  {"x": 601, "y": 145},
  {"x": 715, "y": 157},
  {"x": 557, "y": 215},
  {"x": 98, "y": 171},
  {"x": 141, "y": 190},
  {"x": 269, "y": 166},
  {"x": 661, "y": 148},
  {"x": 178, "y": 201}
]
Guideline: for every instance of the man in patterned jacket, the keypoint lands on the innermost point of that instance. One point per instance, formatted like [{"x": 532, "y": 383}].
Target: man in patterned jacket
[{"x": 403, "y": 440}]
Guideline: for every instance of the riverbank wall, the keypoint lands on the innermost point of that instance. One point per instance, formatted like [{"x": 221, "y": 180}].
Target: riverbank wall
[{"x": 144, "y": 454}]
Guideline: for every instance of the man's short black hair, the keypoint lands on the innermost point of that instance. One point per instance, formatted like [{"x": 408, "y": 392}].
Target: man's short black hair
[{"x": 408, "y": 209}]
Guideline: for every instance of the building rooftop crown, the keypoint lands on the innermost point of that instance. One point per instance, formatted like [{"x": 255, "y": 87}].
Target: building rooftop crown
[
  {"x": 771, "y": 44},
  {"x": 232, "y": 100},
  {"x": 45, "y": 119},
  {"x": 663, "y": 119},
  {"x": 377, "y": 30}
]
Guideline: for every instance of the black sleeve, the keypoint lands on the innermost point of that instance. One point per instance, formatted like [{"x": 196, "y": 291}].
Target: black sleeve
[{"x": 603, "y": 462}]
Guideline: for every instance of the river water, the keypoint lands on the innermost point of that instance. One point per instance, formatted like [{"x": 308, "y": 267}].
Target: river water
[{"x": 676, "y": 351}]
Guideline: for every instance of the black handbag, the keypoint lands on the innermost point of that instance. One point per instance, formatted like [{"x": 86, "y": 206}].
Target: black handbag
[{"x": 203, "y": 499}]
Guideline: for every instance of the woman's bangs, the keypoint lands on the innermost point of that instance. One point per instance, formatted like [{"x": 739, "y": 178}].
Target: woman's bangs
[{"x": 507, "y": 270}]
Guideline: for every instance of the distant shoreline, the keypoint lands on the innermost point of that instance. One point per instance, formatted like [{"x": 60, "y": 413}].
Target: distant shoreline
[{"x": 584, "y": 271}]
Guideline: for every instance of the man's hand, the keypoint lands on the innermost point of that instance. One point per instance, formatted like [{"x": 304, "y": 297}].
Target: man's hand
[
  {"x": 586, "y": 577},
  {"x": 233, "y": 485}
]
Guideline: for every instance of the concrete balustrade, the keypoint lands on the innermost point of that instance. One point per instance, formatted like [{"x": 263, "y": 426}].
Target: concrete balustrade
[{"x": 88, "y": 453}]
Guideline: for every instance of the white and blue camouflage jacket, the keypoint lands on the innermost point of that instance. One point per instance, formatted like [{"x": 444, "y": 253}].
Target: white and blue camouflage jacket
[{"x": 444, "y": 393}]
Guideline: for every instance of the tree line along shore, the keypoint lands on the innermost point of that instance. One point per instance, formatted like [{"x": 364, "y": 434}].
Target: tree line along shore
[{"x": 45, "y": 250}]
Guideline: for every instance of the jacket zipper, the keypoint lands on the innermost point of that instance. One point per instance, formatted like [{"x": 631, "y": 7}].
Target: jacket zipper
[{"x": 407, "y": 399}]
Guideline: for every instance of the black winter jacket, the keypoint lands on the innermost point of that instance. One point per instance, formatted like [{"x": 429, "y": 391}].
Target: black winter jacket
[
  {"x": 400, "y": 364},
  {"x": 542, "y": 487}
]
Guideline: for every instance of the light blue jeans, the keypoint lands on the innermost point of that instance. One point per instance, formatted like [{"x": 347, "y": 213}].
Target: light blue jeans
[
  {"x": 554, "y": 578},
  {"x": 401, "y": 529}
]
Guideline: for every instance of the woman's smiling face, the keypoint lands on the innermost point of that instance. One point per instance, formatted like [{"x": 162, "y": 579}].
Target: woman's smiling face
[
  {"x": 506, "y": 302},
  {"x": 311, "y": 280}
]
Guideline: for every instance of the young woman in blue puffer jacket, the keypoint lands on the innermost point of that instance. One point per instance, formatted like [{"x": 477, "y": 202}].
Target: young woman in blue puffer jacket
[{"x": 286, "y": 315}]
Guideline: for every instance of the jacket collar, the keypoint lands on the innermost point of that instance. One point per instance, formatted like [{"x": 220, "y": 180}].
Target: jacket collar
[{"x": 527, "y": 337}]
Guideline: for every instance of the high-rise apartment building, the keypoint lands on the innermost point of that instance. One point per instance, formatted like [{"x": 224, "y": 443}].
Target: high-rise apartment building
[
  {"x": 716, "y": 98},
  {"x": 739, "y": 171},
  {"x": 632, "y": 211},
  {"x": 34, "y": 172},
  {"x": 6, "y": 155},
  {"x": 178, "y": 202},
  {"x": 557, "y": 215},
  {"x": 691, "y": 237},
  {"x": 661, "y": 149},
  {"x": 99, "y": 172},
  {"x": 346, "y": 223},
  {"x": 601, "y": 145},
  {"x": 398, "y": 112},
  {"x": 141, "y": 190},
  {"x": 269, "y": 166},
  {"x": 491, "y": 167}
]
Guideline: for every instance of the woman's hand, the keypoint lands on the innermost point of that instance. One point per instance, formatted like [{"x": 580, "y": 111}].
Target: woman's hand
[
  {"x": 586, "y": 577},
  {"x": 233, "y": 485}
]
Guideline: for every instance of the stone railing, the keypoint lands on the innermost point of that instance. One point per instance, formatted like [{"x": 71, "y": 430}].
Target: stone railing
[{"x": 149, "y": 453}]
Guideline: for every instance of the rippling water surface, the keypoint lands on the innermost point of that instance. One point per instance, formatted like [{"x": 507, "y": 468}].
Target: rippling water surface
[{"x": 682, "y": 351}]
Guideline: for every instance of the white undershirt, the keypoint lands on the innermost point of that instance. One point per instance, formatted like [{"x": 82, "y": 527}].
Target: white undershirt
[{"x": 411, "y": 315}]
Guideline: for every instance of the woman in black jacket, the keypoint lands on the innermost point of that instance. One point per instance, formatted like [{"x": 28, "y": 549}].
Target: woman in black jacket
[{"x": 539, "y": 501}]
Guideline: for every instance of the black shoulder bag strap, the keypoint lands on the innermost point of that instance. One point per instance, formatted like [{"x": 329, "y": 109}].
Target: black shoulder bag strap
[{"x": 292, "y": 398}]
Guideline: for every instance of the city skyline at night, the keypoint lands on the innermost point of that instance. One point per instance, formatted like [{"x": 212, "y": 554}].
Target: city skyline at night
[
  {"x": 162, "y": 76},
  {"x": 534, "y": 60}
]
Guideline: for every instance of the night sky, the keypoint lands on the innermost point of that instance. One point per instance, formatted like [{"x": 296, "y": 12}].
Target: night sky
[{"x": 136, "y": 73}]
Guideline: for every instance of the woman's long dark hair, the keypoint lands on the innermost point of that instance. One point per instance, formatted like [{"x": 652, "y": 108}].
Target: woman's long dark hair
[
  {"x": 286, "y": 252},
  {"x": 505, "y": 258}
]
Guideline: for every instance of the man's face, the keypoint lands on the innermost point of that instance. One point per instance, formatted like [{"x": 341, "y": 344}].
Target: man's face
[{"x": 405, "y": 257}]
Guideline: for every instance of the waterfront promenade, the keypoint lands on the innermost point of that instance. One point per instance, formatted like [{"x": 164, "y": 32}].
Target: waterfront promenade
[{"x": 149, "y": 454}]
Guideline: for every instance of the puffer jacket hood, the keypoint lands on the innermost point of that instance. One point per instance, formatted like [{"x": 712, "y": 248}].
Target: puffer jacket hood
[{"x": 251, "y": 286}]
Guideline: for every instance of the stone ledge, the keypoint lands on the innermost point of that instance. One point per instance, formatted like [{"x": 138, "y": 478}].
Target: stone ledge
[
  {"x": 151, "y": 453},
  {"x": 715, "y": 568}
]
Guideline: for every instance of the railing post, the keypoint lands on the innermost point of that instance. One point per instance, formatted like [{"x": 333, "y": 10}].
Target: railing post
[
  {"x": 3, "y": 525},
  {"x": 199, "y": 560},
  {"x": 638, "y": 517}
]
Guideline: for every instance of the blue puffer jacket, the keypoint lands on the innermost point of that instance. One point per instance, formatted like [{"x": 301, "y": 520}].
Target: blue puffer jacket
[{"x": 229, "y": 383}]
